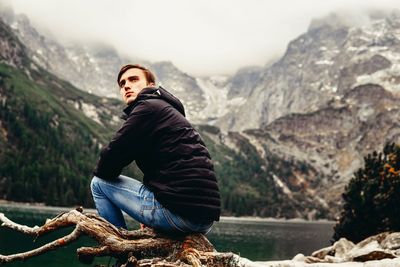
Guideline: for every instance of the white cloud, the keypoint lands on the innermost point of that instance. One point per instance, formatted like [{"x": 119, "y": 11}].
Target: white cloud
[{"x": 200, "y": 37}]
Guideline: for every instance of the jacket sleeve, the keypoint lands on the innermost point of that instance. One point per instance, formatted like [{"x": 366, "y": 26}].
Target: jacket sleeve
[{"x": 126, "y": 144}]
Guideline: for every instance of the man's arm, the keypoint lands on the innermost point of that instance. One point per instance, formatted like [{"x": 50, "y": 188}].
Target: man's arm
[{"x": 126, "y": 144}]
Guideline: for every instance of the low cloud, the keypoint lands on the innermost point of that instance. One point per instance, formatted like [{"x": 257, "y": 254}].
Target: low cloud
[{"x": 200, "y": 37}]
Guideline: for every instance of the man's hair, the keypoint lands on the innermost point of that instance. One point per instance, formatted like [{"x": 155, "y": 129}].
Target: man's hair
[{"x": 147, "y": 73}]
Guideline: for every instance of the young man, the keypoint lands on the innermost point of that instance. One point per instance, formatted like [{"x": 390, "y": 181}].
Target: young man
[{"x": 179, "y": 191}]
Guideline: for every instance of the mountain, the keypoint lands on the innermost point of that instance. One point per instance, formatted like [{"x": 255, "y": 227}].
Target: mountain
[
  {"x": 329, "y": 101},
  {"x": 319, "y": 66},
  {"x": 83, "y": 64},
  {"x": 285, "y": 137},
  {"x": 51, "y": 133},
  {"x": 257, "y": 181},
  {"x": 332, "y": 140}
]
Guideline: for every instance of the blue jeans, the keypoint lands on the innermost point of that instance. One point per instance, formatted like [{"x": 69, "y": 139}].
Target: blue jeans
[{"x": 135, "y": 199}]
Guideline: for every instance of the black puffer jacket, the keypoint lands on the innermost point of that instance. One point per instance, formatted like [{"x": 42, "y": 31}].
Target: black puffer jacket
[{"x": 171, "y": 154}]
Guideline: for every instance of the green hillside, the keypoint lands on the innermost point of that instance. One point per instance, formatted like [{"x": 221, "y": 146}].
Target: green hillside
[
  {"x": 48, "y": 146},
  {"x": 246, "y": 179}
]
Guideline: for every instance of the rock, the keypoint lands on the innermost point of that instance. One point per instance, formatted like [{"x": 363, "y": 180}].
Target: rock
[
  {"x": 338, "y": 250},
  {"x": 377, "y": 247},
  {"x": 392, "y": 241},
  {"x": 374, "y": 255},
  {"x": 371, "y": 251},
  {"x": 376, "y": 251},
  {"x": 299, "y": 257},
  {"x": 342, "y": 247}
]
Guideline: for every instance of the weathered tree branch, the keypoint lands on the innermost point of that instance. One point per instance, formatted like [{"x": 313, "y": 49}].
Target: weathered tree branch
[
  {"x": 139, "y": 248},
  {"x": 20, "y": 228},
  {"x": 43, "y": 249}
]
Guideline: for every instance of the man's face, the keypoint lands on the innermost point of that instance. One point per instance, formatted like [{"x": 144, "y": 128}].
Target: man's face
[{"x": 131, "y": 83}]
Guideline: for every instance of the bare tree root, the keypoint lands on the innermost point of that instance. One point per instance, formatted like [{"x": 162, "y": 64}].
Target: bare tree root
[{"x": 138, "y": 248}]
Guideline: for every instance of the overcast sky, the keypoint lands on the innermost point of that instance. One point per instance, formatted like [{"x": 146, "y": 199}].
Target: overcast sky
[{"x": 202, "y": 37}]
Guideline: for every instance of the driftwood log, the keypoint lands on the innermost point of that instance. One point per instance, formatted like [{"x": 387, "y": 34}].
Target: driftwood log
[{"x": 137, "y": 248}]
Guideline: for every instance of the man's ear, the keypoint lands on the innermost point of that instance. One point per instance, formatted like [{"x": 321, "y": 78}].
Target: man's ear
[{"x": 151, "y": 84}]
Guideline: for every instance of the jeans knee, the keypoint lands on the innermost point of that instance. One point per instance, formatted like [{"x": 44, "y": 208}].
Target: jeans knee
[{"x": 94, "y": 184}]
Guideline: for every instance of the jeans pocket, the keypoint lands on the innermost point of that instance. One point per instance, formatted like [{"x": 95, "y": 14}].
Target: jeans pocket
[{"x": 185, "y": 225}]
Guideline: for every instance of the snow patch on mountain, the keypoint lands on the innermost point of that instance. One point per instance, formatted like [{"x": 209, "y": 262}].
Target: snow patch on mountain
[{"x": 216, "y": 98}]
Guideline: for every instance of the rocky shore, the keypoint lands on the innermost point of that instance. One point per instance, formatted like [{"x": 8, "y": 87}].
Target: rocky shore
[{"x": 382, "y": 250}]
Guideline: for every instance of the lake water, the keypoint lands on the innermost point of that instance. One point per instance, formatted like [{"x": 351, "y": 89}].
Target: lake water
[{"x": 258, "y": 240}]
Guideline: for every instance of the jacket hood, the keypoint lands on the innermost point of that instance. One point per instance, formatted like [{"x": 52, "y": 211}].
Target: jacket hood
[{"x": 159, "y": 93}]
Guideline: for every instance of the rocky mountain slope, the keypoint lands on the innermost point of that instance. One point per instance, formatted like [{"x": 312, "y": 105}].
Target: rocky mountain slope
[
  {"x": 83, "y": 64},
  {"x": 332, "y": 99},
  {"x": 50, "y": 132},
  {"x": 320, "y": 66}
]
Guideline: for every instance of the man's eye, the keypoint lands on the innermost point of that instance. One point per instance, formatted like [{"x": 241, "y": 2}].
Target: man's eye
[
  {"x": 122, "y": 83},
  {"x": 132, "y": 79}
]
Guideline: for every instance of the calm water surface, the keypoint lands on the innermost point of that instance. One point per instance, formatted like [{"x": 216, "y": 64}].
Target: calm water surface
[{"x": 257, "y": 240}]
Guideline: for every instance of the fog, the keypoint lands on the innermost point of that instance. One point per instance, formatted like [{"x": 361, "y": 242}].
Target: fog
[{"x": 208, "y": 37}]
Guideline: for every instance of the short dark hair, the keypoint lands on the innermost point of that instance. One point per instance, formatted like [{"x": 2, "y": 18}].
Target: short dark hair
[{"x": 147, "y": 73}]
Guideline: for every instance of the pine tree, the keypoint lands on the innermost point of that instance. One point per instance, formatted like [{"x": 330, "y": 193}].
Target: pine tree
[{"x": 372, "y": 197}]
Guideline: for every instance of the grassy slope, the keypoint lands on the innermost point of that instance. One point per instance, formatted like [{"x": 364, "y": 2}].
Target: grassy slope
[{"x": 48, "y": 146}]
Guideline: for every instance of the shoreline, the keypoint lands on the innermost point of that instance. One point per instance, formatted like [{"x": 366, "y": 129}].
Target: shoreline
[
  {"x": 10, "y": 206},
  {"x": 299, "y": 260},
  {"x": 224, "y": 219}
]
